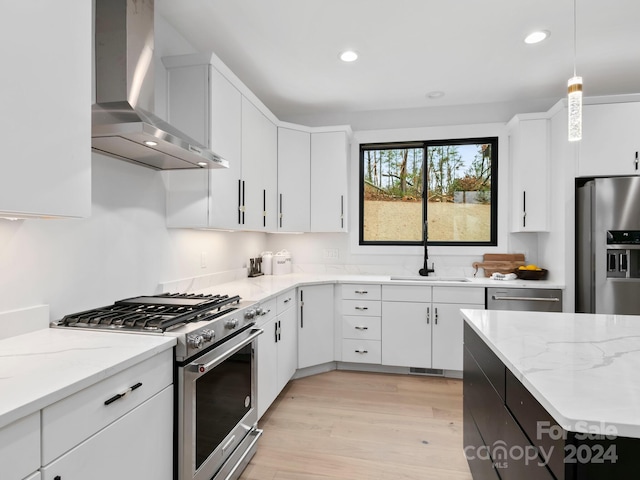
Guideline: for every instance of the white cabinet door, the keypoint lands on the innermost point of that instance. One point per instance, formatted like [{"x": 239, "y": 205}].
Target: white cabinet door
[
  {"x": 138, "y": 445},
  {"x": 206, "y": 106},
  {"x": 45, "y": 94},
  {"x": 267, "y": 362},
  {"x": 406, "y": 334},
  {"x": 529, "y": 152},
  {"x": 329, "y": 166},
  {"x": 287, "y": 347},
  {"x": 610, "y": 141},
  {"x": 294, "y": 180},
  {"x": 226, "y": 128},
  {"x": 447, "y": 330},
  {"x": 20, "y": 447},
  {"x": 259, "y": 169},
  {"x": 315, "y": 325}
]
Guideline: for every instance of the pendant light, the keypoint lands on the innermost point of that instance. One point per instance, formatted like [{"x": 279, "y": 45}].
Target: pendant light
[{"x": 574, "y": 93}]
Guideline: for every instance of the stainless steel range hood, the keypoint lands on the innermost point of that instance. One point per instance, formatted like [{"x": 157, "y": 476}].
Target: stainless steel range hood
[{"x": 122, "y": 123}]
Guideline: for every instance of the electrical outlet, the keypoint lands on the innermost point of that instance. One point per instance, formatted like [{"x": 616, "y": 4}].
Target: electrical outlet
[
  {"x": 203, "y": 259},
  {"x": 331, "y": 253}
]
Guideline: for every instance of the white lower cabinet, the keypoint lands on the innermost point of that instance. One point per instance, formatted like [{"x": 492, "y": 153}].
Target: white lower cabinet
[
  {"x": 277, "y": 349},
  {"x": 361, "y": 325},
  {"x": 138, "y": 445},
  {"x": 406, "y": 331},
  {"x": 315, "y": 325},
  {"x": 422, "y": 326},
  {"x": 20, "y": 447},
  {"x": 82, "y": 434}
]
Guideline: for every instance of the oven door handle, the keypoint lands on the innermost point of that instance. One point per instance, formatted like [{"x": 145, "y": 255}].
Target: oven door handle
[{"x": 202, "y": 368}]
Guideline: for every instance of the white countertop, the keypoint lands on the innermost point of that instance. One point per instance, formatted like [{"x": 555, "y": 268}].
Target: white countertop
[
  {"x": 265, "y": 286},
  {"x": 42, "y": 367},
  {"x": 584, "y": 369}
]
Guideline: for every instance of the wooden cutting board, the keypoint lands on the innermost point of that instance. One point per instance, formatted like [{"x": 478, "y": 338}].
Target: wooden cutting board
[{"x": 499, "y": 262}]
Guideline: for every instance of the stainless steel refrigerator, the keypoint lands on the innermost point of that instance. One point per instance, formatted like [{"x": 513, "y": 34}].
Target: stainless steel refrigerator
[{"x": 608, "y": 246}]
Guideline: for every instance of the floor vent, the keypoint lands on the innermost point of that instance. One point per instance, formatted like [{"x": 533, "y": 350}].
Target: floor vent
[{"x": 426, "y": 371}]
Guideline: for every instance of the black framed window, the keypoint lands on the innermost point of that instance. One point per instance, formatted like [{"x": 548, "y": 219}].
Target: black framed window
[{"x": 450, "y": 186}]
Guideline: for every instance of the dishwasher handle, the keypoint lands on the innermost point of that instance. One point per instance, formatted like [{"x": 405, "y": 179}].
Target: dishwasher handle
[{"x": 531, "y": 299}]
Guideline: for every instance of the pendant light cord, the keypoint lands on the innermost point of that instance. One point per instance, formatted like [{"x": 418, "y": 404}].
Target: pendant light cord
[{"x": 575, "y": 37}]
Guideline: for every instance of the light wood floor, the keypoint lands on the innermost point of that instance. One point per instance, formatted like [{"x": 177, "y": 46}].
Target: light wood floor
[{"x": 363, "y": 426}]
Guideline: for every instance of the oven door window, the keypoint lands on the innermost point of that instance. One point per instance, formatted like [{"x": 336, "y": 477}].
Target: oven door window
[{"x": 223, "y": 398}]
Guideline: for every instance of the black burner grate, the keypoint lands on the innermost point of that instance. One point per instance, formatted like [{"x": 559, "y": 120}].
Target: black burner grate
[{"x": 155, "y": 313}]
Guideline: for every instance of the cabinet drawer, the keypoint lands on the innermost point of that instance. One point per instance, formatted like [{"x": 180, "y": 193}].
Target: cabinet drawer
[
  {"x": 530, "y": 415},
  {"x": 139, "y": 445},
  {"x": 461, "y": 295},
  {"x": 361, "y": 292},
  {"x": 361, "y": 351},
  {"x": 369, "y": 308},
  {"x": 20, "y": 447},
  {"x": 489, "y": 363},
  {"x": 68, "y": 422},
  {"x": 361, "y": 327},
  {"x": 285, "y": 301},
  {"x": 406, "y": 293},
  {"x": 268, "y": 311}
]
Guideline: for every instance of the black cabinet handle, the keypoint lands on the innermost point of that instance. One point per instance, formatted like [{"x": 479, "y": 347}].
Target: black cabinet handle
[{"x": 118, "y": 396}]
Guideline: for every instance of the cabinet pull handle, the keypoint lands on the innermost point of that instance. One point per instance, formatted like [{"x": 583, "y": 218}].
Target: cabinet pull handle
[
  {"x": 361, "y": 328},
  {"x": 436, "y": 315},
  {"x": 301, "y": 308},
  {"x": 524, "y": 208},
  {"x": 118, "y": 396},
  {"x": 362, "y": 308},
  {"x": 361, "y": 351},
  {"x": 280, "y": 211},
  {"x": 361, "y": 292},
  {"x": 636, "y": 160},
  {"x": 428, "y": 313},
  {"x": 287, "y": 300},
  {"x": 341, "y": 211},
  {"x": 275, "y": 331},
  {"x": 264, "y": 208}
]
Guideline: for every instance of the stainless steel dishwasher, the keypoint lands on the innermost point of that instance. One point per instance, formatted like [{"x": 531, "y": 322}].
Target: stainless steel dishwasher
[{"x": 524, "y": 299}]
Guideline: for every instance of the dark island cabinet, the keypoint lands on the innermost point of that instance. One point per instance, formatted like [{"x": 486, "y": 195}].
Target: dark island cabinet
[{"x": 508, "y": 434}]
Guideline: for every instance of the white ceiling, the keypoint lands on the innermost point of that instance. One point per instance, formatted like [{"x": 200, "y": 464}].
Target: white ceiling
[{"x": 286, "y": 51}]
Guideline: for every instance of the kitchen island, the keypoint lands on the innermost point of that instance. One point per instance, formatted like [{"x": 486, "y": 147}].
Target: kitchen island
[{"x": 551, "y": 395}]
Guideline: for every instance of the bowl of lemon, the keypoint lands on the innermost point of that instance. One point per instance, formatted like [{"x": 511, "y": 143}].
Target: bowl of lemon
[{"x": 531, "y": 272}]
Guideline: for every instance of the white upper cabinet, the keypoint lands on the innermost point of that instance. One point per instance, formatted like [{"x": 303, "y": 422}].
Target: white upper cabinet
[
  {"x": 610, "y": 140},
  {"x": 259, "y": 170},
  {"x": 329, "y": 167},
  {"x": 294, "y": 177},
  {"x": 45, "y": 93},
  {"x": 529, "y": 155},
  {"x": 206, "y": 106}
]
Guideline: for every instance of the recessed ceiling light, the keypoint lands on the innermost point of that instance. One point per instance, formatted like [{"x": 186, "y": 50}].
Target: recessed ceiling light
[
  {"x": 537, "y": 37},
  {"x": 348, "y": 56},
  {"x": 435, "y": 94},
  {"x": 150, "y": 143}
]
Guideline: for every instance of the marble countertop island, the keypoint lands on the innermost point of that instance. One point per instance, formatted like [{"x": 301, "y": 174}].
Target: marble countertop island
[
  {"x": 583, "y": 369},
  {"x": 42, "y": 367}
]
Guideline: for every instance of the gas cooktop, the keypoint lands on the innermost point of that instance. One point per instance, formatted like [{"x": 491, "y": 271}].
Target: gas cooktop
[{"x": 157, "y": 313}]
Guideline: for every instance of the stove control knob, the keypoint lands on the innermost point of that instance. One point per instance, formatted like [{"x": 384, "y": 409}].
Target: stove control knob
[
  {"x": 250, "y": 314},
  {"x": 259, "y": 311},
  {"x": 208, "y": 335},
  {"x": 231, "y": 324},
  {"x": 195, "y": 341}
]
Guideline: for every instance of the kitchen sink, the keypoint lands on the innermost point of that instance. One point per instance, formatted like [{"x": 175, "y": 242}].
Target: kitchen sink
[{"x": 416, "y": 278}]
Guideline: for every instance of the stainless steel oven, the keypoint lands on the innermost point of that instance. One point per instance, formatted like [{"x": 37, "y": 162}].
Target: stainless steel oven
[{"x": 217, "y": 416}]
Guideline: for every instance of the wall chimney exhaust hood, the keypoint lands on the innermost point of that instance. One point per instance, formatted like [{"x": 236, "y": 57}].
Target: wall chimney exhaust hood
[{"x": 121, "y": 127}]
